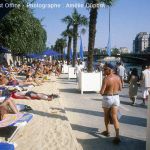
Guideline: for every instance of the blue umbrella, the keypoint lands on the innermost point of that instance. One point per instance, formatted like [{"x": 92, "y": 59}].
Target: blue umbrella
[
  {"x": 4, "y": 50},
  {"x": 71, "y": 54},
  {"x": 64, "y": 54},
  {"x": 109, "y": 41},
  {"x": 81, "y": 49},
  {"x": 51, "y": 53}
]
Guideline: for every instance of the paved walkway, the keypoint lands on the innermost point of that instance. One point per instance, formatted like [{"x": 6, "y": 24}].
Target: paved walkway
[{"x": 86, "y": 118}]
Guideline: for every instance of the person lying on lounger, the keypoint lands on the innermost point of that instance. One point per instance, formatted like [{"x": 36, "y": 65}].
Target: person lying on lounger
[{"x": 33, "y": 95}]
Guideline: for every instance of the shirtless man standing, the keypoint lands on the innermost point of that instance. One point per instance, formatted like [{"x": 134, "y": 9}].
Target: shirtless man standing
[{"x": 110, "y": 88}]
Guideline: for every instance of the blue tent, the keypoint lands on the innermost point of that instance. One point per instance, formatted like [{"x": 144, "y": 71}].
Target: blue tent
[
  {"x": 4, "y": 50},
  {"x": 81, "y": 50}
]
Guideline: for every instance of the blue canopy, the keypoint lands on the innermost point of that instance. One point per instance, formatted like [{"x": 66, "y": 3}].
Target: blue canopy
[
  {"x": 4, "y": 50},
  {"x": 81, "y": 49},
  {"x": 51, "y": 53}
]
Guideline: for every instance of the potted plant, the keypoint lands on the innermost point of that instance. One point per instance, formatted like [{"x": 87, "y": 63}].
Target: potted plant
[{"x": 92, "y": 81}]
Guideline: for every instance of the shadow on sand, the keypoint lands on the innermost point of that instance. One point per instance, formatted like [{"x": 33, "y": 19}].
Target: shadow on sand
[{"x": 50, "y": 115}]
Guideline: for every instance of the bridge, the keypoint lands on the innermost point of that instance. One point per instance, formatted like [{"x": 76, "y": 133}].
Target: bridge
[{"x": 128, "y": 58}]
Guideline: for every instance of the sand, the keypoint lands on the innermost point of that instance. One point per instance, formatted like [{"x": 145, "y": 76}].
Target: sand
[{"x": 49, "y": 129}]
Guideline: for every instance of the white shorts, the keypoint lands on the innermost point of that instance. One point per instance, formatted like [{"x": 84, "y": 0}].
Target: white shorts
[
  {"x": 145, "y": 92},
  {"x": 110, "y": 101}
]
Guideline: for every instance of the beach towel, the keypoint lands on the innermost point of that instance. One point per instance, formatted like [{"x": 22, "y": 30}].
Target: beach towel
[
  {"x": 11, "y": 123},
  {"x": 15, "y": 119}
]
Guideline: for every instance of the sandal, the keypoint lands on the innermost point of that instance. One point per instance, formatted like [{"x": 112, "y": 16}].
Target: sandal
[
  {"x": 106, "y": 133},
  {"x": 116, "y": 140}
]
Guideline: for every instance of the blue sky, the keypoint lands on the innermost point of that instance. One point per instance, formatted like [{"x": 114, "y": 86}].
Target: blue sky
[{"x": 128, "y": 17}]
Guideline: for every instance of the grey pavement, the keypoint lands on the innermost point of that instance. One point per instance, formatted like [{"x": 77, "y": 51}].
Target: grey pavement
[{"x": 85, "y": 115}]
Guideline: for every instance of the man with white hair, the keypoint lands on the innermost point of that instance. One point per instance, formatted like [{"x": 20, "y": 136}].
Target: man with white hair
[
  {"x": 110, "y": 87},
  {"x": 121, "y": 71},
  {"x": 145, "y": 83}
]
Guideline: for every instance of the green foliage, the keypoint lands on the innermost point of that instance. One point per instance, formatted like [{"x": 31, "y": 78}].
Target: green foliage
[
  {"x": 21, "y": 32},
  {"x": 75, "y": 20},
  {"x": 115, "y": 51},
  {"x": 60, "y": 44}
]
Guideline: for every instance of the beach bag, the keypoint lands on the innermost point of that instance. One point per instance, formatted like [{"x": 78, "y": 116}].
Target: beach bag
[{"x": 119, "y": 115}]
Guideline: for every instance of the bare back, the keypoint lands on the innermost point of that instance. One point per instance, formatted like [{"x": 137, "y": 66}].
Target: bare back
[{"x": 111, "y": 84}]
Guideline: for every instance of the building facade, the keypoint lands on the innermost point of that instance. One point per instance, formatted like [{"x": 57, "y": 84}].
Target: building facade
[
  {"x": 141, "y": 42},
  {"x": 123, "y": 50}
]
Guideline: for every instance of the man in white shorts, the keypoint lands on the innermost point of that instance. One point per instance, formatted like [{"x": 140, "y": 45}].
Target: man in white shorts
[
  {"x": 145, "y": 83},
  {"x": 110, "y": 88},
  {"x": 121, "y": 71}
]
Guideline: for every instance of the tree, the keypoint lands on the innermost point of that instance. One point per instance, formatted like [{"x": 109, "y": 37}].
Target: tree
[
  {"x": 68, "y": 33},
  {"x": 75, "y": 20},
  {"x": 21, "y": 32},
  {"x": 115, "y": 51},
  {"x": 92, "y": 28},
  {"x": 60, "y": 44}
]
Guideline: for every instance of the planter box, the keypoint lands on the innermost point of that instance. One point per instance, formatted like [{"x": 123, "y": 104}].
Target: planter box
[
  {"x": 148, "y": 126},
  {"x": 89, "y": 81},
  {"x": 65, "y": 68},
  {"x": 72, "y": 73}
]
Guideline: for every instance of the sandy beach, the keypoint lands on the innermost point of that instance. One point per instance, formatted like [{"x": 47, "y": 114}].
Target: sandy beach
[{"x": 49, "y": 129}]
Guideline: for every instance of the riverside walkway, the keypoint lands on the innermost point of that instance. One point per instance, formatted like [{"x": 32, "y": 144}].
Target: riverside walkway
[{"x": 85, "y": 115}]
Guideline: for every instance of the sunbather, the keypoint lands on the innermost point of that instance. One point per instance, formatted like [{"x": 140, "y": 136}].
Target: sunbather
[
  {"x": 32, "y": 95},
  {"x": 7, "y": 106}
]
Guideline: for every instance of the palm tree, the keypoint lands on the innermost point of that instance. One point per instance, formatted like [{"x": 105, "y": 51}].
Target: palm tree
[
  {"x": 92, "y": 28},
  {"x": 68, "y": 33},
  {"x": 75, "y": 20},
  {"x": 60, "y": 44}
]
